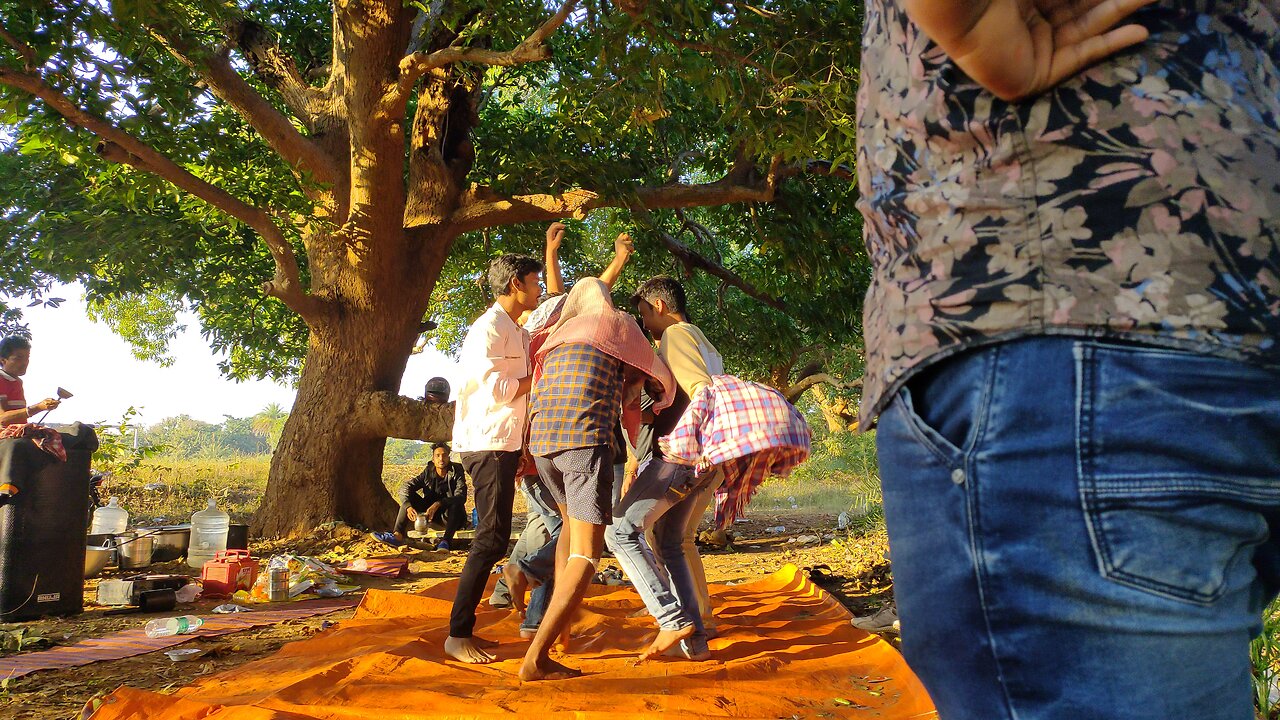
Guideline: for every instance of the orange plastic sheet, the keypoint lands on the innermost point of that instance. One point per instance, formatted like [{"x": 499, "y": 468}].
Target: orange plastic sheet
[{"x": 785, "y": 649}]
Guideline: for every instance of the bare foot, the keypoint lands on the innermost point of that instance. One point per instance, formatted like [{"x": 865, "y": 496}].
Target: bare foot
[
  {"x": 689, "y": 650},
  {"x": 546, "y": 669},
  {"x": 481, "y": 642},
  {"x": 664, "y": 640},
  {"x": 528, "y": 634},
  {"x": 466, "y": 650},
  {"x": 517, "y": 584}
]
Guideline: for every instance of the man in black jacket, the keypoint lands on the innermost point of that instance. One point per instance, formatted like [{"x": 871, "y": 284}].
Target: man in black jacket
[{"x": 439, "y": 492}]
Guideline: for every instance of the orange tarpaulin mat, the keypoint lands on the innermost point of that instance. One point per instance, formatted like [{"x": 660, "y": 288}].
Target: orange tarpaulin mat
[{"x": 785, "y": 649}]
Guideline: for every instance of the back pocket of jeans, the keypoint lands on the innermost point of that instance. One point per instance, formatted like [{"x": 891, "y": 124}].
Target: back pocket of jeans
[{"x": 1178, "y": 462}]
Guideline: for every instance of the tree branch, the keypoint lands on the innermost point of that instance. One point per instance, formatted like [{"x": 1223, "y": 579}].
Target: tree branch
[
  {"x": 424, "y": 25},
  {"x": 482, "y": 207},
  {"x": 700, "y": 232},
  {"x": 818, "y": 167},
  {"x": 278, "y": 71},
  {"x": 119, "y": 146},
  {"x": 29, "y": 57},
  {"x": 704, "y": 48},
  {"x": 215, "y": 68},
  {"x": 387, "y": 414},
  {"x": 794, "y": 392},
  {"x": 692, "y": 260},
  {"x": 531, "y": 49},
  {"x": 674, "y": 173}
]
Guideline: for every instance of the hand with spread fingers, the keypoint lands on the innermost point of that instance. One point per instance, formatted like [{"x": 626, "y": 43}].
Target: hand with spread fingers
[{"x": 1020, "y": 48}]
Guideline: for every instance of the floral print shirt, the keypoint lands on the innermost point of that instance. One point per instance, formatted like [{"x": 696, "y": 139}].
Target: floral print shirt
[{"x": 1139, "y": 200}]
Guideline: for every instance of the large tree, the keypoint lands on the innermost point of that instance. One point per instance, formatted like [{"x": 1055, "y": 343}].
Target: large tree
[{"x": 337, "y": 156}]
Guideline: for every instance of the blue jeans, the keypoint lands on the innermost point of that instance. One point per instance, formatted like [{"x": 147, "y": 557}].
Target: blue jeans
[
  {"x": 1082, "y": 529},
  {"x": 669, "y": 590},
  {"x": 541, "y": 562}
]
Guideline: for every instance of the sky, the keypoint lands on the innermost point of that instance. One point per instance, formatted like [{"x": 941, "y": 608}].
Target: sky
[{"x": 71, "y": 351}]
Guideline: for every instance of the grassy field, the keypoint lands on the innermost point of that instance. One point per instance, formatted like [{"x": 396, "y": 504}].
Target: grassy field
[{"x": 841, "y": 475}]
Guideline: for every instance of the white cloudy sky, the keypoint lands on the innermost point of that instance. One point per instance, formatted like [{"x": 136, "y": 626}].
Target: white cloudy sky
[{"x": 71, "y": 351}]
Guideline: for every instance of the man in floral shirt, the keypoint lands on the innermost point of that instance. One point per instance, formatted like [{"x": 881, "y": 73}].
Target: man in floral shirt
[{"x": 1073, "y": 212}]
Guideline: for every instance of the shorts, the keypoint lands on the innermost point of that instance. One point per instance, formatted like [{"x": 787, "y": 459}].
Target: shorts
[{"x": 580, "y": 480}]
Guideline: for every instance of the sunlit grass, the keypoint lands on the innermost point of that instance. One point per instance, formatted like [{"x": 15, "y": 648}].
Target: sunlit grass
[{"x": 841, "y": 475}]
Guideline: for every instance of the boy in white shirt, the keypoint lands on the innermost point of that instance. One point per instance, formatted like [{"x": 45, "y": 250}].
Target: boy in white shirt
[{"x": 488, "y": 431}]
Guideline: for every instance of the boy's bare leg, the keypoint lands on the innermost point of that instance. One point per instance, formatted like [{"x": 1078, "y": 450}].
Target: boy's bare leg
[{"x": 586, "y": 542}]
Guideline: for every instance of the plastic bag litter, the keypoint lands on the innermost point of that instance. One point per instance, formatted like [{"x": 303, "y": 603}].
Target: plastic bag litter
[
  {"x": 184, "y": 654},
  {"x": 188, "y": 593},
  {"x": 305, "y": 574},
  {"x": 231, "y": 608}
]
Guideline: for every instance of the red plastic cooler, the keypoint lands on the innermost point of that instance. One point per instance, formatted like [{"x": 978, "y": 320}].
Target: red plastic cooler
[{"x": 228, "y": 571}]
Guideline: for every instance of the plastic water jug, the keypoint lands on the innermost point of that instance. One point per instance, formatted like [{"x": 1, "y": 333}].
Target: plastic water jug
[
  {"x": 208, "y": 535},
  {"x": 109, "y": 519}
]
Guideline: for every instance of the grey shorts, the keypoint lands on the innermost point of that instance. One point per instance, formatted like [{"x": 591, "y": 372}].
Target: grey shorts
[{"x": 581, "y": 480}]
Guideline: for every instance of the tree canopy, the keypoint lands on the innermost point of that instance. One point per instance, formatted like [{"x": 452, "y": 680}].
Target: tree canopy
[
  {"x": 314, "y": 180},
  {"x": 630, "y": 97}
]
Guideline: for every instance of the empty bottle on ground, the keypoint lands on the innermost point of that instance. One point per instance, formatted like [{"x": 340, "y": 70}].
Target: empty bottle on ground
[
  {"x": 181, "y": 625},
  {"x": 208, "y": 535}
]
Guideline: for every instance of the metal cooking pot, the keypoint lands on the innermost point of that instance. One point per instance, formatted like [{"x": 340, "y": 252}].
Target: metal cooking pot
[
  {"x": 169, "y": 542},
  {"x": 96, "y": 558},
  {"x": 135, "y": 550}
]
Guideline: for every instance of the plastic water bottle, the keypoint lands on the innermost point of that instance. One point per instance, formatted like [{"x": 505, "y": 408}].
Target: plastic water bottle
[
  {"x": 110, "y": 519},
  {"x": 208, "y": 535},
  {"x": 181, "y": 625}
]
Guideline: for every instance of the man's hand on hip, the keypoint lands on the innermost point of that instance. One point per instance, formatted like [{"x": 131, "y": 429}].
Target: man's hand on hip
[{"x": 1020, "y": 48}]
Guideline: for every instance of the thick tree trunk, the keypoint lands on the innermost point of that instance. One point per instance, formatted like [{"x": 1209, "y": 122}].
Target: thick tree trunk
[
  {"x": 836, "y": 411},
  {"x": 328, "y": 464}
]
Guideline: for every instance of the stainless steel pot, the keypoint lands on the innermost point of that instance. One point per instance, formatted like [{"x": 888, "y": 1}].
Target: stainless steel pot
[
  {"x": 96, "y": 558},
  {"x": 169, "y": 542},
  {"x": 135, "y": 550}
]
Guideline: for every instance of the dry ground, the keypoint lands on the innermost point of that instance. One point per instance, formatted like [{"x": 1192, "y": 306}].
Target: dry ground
[{"x": 858, "y": 576}]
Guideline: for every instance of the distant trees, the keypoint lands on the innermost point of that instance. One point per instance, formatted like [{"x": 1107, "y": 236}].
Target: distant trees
[{"x": 187, "y": 438}]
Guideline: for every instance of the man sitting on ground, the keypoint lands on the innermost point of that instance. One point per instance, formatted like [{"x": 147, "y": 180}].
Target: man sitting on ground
[{"x": 439, "y": 493}]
